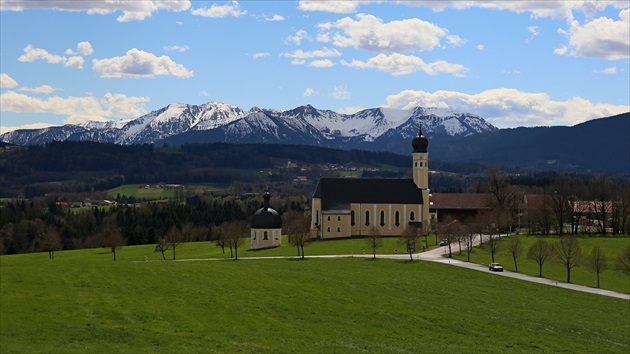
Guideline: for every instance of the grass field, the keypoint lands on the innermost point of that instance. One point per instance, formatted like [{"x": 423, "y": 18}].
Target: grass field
[
  {"x": 84, "y": 302},
  {"x": 138, "y": 190},
  {"x": 610, "y": 279}
]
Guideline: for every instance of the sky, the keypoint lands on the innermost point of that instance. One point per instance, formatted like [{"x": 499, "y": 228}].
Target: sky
[{"x": 514, "y": 63}]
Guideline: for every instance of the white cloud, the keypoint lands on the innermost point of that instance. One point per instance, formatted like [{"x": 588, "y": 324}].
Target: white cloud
[
  {"x": 611, "y": 70},
  {"x": 6, "y": 129},
  {"x": 298, "y": 61},
  {"x": 320, "y": 53},
  {"x": 322, "y": 63},
  {"x": 260, "y": 55},
  {"x": 534, "y": 31},
  {"x": 179, "y": 22},
  {"x": 297, "y": 37},
  {"x": 6, "y": 81},
  {"x": 132, "y": 10},
  {"x": 77, "y": 109},
  {"x": 371, "y": 33},
  {"x": 220, "y": 11},
  {"x": 309, "y": 92},
  {"x": 338, "y": 7},
  {"x": 602, "y": 38},
  {"x": 400, "y": 64},
  {"x": 176, "y": 48},
  {"x": 560, "y": 51},
  {"x": 506, "y": 107},
  {"x": 340, "y": 93},
  {"x": 480, "y": 47},
  {"x": 137, "y": 63},
  {"x": 204, "y": 93},
  {"x": 45, "y": 89},
  {"x": 83, "y": 48},
  {"x": 455, "y": 41},
  {"x": 34, "y": 54},
  {"x": 274, "y": 18}
]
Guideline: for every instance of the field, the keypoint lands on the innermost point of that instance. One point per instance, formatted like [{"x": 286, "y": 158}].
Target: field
[
  {"x": 610, "y": 279},
  {"x": 138, "y": 191},
  {"x": 84, "y": 302}
]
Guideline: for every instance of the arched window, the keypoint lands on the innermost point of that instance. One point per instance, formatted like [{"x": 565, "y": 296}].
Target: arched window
[
  {"x": 328, "y": 229},
  {"x": 265, "y": 236},
  {"x": 328, "y": 218},
  {"x": 338, "y": 218},
  {"x": 254, "y": 235},
  {"x": 352, "y": 217},
  {"x": 367, "y": 218},
  {"x": 412, "y": 216},
  {"x": 317, "y": 217},
  {"x": 382, "y": 217},
  {"x": 397, "y": 218},
  {"x": 338, "y": 229}
]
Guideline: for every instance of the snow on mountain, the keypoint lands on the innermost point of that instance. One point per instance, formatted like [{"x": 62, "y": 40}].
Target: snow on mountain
[{"x": 304, "y": 124}]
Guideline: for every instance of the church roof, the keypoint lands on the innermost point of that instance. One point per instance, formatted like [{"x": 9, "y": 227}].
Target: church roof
[
  {"x": 338, "y": 193},
  {"x": 265, "y": 217}
]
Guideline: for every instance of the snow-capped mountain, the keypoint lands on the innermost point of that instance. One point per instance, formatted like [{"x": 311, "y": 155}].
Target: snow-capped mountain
[{"x": 374, "y": 128}]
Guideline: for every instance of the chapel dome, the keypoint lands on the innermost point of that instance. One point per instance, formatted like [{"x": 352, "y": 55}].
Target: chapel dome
[
  {"x": 266, "y": 217},
  {"x": 420, "y": 142}
]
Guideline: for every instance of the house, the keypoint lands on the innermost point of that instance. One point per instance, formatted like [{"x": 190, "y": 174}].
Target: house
[{"x": 344, "y": 207}]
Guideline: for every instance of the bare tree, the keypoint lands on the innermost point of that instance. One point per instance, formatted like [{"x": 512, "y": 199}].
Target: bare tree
[
  {"x": 515, "y": 249},
  {"x": 539, "y": 252},
  {"x": 374, "y": 240},
  {"x": 113, "y": 239},
  {"x": 597, "y": 261},
  {"x": 567, "y": 252},
  {"x": 298, "y": 230},
  {"x": 173, "y": 238},
  {"x": 162, "y": 246},
  {"x": 623, "y": 261},
  {"x": 235, "y": 235},
  {"x": 221, "y": 239},
  {"x": 410, "y": 239},
  {"x": 50, "y": 241},
  {"x": 469, "y": 239}
]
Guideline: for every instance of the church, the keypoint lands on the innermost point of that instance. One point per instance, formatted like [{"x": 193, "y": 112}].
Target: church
[{"x": 346, "y": 207}]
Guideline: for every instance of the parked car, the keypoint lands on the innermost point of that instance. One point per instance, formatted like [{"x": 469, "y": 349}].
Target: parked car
[
  {"x": 444, "y": 242},
  {"x": 495, "y": 267}
]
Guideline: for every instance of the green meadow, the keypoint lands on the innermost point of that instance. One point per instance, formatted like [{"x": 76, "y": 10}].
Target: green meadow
[
  {"x": 83, "y": 301},
  {"x": 610, "y": 278},
  {"x": 138, "y": 190}
]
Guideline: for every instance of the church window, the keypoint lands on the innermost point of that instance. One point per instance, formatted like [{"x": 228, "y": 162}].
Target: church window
[
  {"x": 329, "y": 218},
  {"x": 412, "y": 216},
  {"x": 339, "y": 218},
  {"x": 254, "y": 235},
  {"x": 397, "y": 218},
  {"x": 367, "y": 218},
  {"x": 420, "y": 164},
  {"x": 352, "y": 217},
  {"x": 265, "y": 236},
  {"x": 415, "y": 164},
  {"x": 317, "y": 217},
  {"x": 328, "y": 229},
  {"x": 382, "y": 217},
  {"x": 338, "y": 229}
]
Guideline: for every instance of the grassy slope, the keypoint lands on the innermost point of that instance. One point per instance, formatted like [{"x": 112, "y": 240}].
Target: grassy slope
[
  {"x": 84, "y": 302},
  {"x": 610, "y": 279}
]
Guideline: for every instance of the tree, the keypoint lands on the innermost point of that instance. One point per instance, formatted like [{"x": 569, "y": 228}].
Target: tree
[
  {"x": 567, "y": 252},
  {"x": 515, "y": 249},
  {"x": 113, "y": 239},
  {"x": 493, "y": 242},
  {"x": 539, "y": 252},
  {"x": 162, "y": 246},
  {"x": 597, "y": 261},
  {"x": 409, "y": 240},
  {"x": 221, "y": 239},
  {"x": 235, "y": 231},
  {"x": 374, "y": 240},
  {"x": 50, "y": 241},
  {"x": 173, "y": 238},
  {"x": 298, "y": 230},
  {"x": 623, "y": 261},
  {"x": 469, "y": 239}
]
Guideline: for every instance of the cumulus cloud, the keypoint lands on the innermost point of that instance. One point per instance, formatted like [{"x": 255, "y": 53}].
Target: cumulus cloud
[
  {"x": 137, "y": 63},
  {"x": 480, "y": 47},
  {"x": 176, "y": 48},
  {"x": 340, "y": 93},
  {"x": 44, "y": 89},
  {"x": 7, "y": 81},
  {"x": 371, "y": 33},
  {"x": 320, "y": 53},
  {"x": 507, "y": 108},
  {"x": 322, "y": 63},
  {"x": 220, "y": 11},
  {"x": 274, "y": 18},
  {"x": 76, "y": 109},
  {"x": 338, "y": 7},
  {"x": 132, "y": 10},
  {"x": 297, "y": 37},
  {"x": 601, "y": 38},
  {"x": 400, "y": 64},
  {"x": 32, "y": 54},
  {"x": 260, "y": 55},
  {"x": 610, "y": 71},
  {"x": 309, "y": 92},
  {"x": 83, "y": 48}
]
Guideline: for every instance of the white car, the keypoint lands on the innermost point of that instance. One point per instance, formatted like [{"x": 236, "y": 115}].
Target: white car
[{"x": 495, "y": 267}]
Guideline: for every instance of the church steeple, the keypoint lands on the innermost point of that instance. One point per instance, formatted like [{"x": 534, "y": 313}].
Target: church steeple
[{"x": 420, "y": 160}]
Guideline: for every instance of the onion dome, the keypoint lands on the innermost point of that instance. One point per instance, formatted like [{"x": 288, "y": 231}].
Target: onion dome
[
  {"x": 420, "y": 142},
  {"x": 265, "y": 217}
]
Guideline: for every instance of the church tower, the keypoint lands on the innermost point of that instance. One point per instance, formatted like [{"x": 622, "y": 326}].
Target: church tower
[{"x": 421, "y": 174}]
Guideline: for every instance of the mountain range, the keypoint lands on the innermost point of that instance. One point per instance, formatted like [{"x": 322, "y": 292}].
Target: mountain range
[{"x": 600, "y": 145}]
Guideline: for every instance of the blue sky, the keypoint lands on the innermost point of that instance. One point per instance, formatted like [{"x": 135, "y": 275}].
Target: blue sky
[{"x": 514, "y": 63}]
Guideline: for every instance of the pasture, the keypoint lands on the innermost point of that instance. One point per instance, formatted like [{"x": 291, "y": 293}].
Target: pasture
[{"x": 84, "y": 302}]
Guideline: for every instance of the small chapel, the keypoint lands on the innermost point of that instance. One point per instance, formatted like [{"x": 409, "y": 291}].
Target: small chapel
[
  {"x": 266, "y": 226},
  {"x": 346, "y": 207}
]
